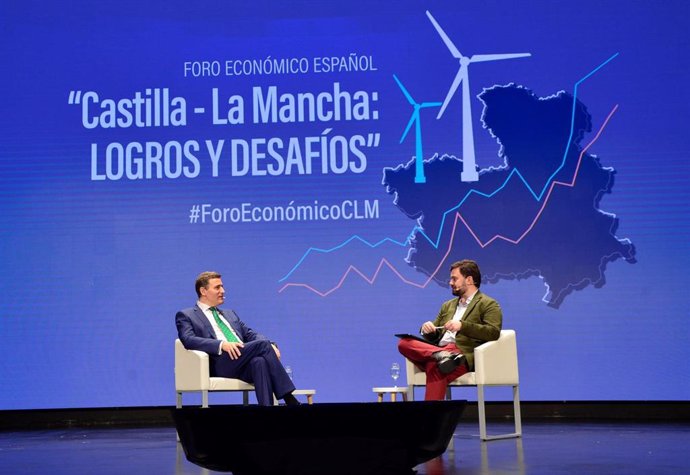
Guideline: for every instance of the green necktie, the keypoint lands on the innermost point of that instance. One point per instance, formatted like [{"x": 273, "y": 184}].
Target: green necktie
[{"x": 229, "y": 335}]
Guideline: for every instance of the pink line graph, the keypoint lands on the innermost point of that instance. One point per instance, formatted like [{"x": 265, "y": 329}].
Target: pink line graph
[
  {"x": 384, "y": 262},
  {"x": 548, "y": 195}
]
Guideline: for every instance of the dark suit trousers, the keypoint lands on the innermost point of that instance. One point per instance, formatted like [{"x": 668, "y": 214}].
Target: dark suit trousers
[
  {"x": 259, "y": 366},
  {"x": 421, "y": 354}
]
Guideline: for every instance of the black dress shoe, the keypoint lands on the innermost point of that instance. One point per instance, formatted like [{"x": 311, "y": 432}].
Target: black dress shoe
[
  {"x": 291, "y": 400},
  {"x": 447, "y": 361}
]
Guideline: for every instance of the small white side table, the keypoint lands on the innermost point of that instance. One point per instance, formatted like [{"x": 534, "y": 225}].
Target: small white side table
[
  {"x": 393, "y": 391},
  {"x": 305, "y": 392}
]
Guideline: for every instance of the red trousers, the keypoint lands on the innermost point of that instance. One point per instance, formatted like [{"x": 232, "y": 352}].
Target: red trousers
[{"x": 421, "y": 354}]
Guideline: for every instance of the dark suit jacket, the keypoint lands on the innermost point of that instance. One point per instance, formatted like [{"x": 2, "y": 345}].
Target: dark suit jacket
[
  {"x": 481, "y": 322},
  {"x": 196, "y": 333}
]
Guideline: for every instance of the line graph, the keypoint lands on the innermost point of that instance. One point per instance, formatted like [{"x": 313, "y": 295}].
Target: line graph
[
  {"x": 513, "y": 173},
  {"x": 458, "y": 217}
]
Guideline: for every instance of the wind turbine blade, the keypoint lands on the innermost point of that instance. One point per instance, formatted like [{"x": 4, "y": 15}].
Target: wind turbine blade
[
  {"x": 449, "y": 44},
  {"x": 413, "y": 117},
  {"x": 430, "y": 104},
  {"x": 478, "y": 58},
  {"x": 451, "y": 91},
  {"x": 404, "y": 91}
]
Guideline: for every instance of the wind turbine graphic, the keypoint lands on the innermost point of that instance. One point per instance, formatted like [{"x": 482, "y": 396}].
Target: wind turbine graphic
[
  {"x": 469, "y": 164},
  {"x": 417, "y": 120}
]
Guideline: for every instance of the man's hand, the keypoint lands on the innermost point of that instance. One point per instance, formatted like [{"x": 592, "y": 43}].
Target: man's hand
[
  {"x": 453, "y": 326},
  {"x": 275, "y": 348},
  {"x": 233, "y": 349},
  {"x": 428, "y": 327}
]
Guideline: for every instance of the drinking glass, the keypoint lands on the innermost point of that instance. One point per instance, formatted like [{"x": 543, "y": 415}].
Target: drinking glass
[{"x": 395, "y": 373}]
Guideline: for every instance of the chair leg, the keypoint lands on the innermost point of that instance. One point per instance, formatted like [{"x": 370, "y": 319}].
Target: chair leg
[
  {"x": 451, "y": 444},
  {"x": 245, "y": 398},
  {"x": 482, "y": 416},
  {"x": 178, "y": 404},
  {"x": 482, "y": 411},
  {"x": 204, "y": 398},
  {"x": 516, "y": 411}
]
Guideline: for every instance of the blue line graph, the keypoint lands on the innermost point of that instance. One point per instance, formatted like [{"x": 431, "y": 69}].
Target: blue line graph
[{"x": 514, "y": 172}]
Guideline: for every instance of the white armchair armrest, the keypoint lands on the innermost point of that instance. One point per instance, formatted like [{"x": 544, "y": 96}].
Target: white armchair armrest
[
  {"x": 415, "y": 376},
  {"x": 495, "y": 362},
  {"x": 191, "y": 369}
]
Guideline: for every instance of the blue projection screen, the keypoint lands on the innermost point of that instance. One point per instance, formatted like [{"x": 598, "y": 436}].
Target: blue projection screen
[{"x": 332, "y": 160}]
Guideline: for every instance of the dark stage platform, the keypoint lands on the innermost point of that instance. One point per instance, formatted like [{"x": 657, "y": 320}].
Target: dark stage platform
[
  {"x": 333, "y": 439},
  {"x": 546, "y": 448}
]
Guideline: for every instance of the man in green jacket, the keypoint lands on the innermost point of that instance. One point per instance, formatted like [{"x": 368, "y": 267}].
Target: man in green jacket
[{"x": 462, "y": 324}]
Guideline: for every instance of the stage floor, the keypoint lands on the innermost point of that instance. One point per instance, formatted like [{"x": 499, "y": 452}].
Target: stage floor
[{"x": 545, "y": 448}]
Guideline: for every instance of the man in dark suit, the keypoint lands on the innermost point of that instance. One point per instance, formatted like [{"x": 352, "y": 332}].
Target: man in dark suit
[
  {"x": 461, "y": 325},
  {"x": 235, "y": 350}
]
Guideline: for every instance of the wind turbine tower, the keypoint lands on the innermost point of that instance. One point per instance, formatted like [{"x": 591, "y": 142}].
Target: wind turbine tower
[
  {"x": 469, "y": 163},
  {"x": 415, "y": 118}
]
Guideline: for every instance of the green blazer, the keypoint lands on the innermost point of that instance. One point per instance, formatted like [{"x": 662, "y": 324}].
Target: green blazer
[{"x": 481, "y": 322}]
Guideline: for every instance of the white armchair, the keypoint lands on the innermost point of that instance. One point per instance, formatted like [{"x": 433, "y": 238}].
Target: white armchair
[
  {"x": 192, "y": 375},
  {"x": 495, "y": 364}
]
